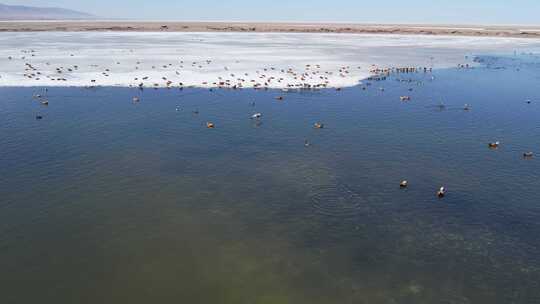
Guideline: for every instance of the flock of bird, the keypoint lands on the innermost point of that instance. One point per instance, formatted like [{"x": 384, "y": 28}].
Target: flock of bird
[
  {"x": 312, "y": 77},
  {"x": 145, "y": 74}
]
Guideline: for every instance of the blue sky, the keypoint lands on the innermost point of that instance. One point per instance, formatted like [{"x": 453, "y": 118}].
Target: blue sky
[{"x": 383, "y": 11}]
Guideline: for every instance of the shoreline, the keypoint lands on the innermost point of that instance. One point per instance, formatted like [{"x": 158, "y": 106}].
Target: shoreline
[
  {"x": 236, "y": 60},
  {"x": 259, "y": 27}
]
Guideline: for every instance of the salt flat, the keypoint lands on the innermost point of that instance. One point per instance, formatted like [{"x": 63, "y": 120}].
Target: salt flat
[{"x": 274, "y": 60}]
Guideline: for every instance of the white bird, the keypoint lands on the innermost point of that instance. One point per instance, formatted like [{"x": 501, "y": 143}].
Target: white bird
[
  {"x": 528, "y": 154},
  {"x": 441, "y": 192},
  {"x": 256, "y": 116}
]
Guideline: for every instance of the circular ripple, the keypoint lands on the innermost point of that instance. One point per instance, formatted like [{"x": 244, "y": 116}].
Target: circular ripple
[{"x": 336, "y": 200}]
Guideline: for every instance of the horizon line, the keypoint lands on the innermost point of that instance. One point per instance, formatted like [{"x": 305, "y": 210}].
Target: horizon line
[{"x": 98, "y": 19}]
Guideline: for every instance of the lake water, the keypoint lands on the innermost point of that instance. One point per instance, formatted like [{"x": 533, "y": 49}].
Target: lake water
[{"x": 109, "y": 201}]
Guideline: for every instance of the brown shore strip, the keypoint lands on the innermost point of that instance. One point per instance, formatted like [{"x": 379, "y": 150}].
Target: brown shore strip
[{"x": 144, "y": 26}]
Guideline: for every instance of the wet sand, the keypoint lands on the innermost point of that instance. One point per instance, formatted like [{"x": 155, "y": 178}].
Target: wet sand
[
  {"x": 146, "y": 26},
  {"x": 233, "y": 60}
]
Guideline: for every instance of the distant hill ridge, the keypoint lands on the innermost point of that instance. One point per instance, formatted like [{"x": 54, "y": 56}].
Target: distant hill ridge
[{"x": 21, "y": 12}]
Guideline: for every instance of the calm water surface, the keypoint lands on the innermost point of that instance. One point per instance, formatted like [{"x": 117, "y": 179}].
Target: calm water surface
[{"x": 109, "y": 201}]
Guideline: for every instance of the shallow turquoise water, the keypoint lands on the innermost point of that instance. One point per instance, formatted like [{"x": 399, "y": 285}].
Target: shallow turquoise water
[{"x": 109, "y": 201}]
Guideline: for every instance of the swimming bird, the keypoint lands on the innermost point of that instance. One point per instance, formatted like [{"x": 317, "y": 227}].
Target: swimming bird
[
  {"x": 210, "y": 125},
  {"x": 403, "y": 184},
  {"x": 441, "y": 106},
  {"x": 279, "y": 98},
  {"x": 318, "y": 125},
  {"x": 38, "y": 117},
  {"x": 306, "y": 143},
  {"x": 405, "y": 98},
  {"x": 528, "y": 154},
  {"x": 441, "y": 192},
  {"x": 494, "y": 145},
  {"x": 466, "y": 107},
  {"x": 256, "y": 116},
  {"x": 136, "y": 99}
]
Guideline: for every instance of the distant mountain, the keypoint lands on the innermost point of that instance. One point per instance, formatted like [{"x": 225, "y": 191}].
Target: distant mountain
[{"x": 19, "y": 12}]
